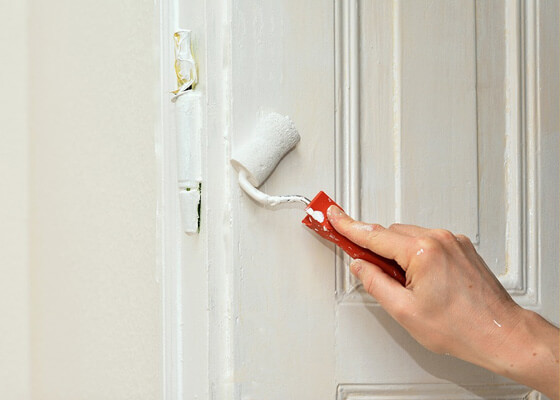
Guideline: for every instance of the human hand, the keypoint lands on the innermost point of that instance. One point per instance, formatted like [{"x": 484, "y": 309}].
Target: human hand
[{"x": 452, "y": 303}]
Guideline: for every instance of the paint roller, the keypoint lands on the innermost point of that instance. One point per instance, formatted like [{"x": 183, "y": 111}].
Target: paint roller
[{"x": 275, "y": 135}]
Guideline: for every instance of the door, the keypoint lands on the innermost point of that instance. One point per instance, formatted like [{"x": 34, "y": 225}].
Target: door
[{"x": 439, "y": 113}]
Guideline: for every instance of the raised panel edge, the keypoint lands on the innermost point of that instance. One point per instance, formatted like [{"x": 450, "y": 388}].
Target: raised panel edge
[
  {"x": 521, "y": 273},
  {"x": 426, "y": 391}
]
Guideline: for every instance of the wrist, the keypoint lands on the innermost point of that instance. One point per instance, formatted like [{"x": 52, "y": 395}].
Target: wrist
[{"x": 528, "y": 353}]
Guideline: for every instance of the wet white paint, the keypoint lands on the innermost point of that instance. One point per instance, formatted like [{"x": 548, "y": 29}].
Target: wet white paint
[
  {"x": 274, "y": 136},
  {"x": 316, "y": 215},
  {"x": 365, "y": 227}
]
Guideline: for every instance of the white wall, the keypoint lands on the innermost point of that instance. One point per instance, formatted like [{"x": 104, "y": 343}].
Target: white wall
[
  {"x": 14, "y": 292},
  {"x": 78, "y": 208}
]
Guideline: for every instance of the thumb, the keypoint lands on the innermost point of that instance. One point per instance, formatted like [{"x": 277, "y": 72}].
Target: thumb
[
  {"x": 382, "y": 241},
  {"x": 386, "y": 290}
]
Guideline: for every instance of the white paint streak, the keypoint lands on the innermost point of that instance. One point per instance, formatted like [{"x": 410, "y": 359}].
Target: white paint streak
[
  {"x": 365, "y": 227},
  {"x": 316, "y": 215}
]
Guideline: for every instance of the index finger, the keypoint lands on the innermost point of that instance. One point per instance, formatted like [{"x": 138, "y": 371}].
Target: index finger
[{"x": 384, "y": 242}]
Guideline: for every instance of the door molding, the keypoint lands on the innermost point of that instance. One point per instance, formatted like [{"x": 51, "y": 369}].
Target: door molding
[
  {"x": 168, "y": 234},
  {"x": 518, "y": 267},
  {"x": 434, "y": 391}
]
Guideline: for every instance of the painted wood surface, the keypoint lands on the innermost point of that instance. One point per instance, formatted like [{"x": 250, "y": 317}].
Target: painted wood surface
[
  {"x": 283, "y": 287},
  {"x": 441, "y": 113}
]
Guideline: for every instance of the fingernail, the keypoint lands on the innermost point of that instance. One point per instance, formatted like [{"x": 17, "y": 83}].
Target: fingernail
[
  {"x": 356, "y": 267},
  {"x": 334, "y": 212}
]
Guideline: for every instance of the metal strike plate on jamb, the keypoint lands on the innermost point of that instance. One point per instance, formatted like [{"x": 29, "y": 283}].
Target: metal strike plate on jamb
[{"x": 188, "y": 128}]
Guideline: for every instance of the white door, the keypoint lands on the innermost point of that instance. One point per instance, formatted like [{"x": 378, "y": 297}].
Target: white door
[{"x": 439, "y": 113}]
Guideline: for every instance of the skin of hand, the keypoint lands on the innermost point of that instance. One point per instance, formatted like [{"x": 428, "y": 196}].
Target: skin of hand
[{"x": 452, "y": 303}]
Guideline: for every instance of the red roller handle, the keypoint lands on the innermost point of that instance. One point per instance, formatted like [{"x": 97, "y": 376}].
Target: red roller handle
[{"x": 318, "y": 222}]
